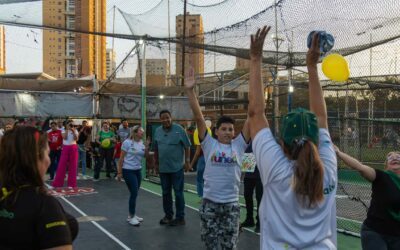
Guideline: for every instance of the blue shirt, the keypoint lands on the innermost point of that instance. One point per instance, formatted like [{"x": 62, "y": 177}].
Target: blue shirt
[{"x": 171, "y": 146}]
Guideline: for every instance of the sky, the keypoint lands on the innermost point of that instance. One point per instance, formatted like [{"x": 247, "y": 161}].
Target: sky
[{"x": 24, "y": 46}]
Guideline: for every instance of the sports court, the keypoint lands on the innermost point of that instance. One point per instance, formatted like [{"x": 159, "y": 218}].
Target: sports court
[{"x": 101, "y": 209}]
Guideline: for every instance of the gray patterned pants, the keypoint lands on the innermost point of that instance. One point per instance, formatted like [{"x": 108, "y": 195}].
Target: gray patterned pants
[{"x": 219, "y": 224}]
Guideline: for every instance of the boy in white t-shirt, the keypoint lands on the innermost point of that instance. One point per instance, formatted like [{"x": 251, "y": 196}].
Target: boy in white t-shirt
[
  {"x": 220, "y": 210},
  {"x": 299, "y": 174}
]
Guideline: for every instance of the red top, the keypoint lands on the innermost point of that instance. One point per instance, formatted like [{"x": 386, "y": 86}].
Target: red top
[
  {"x": 117, "y": 150},
  {"x": 55, "y": 139}
]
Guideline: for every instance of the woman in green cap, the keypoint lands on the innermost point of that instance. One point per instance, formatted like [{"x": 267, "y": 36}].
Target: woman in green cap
[{"x": 299, "y": 173}]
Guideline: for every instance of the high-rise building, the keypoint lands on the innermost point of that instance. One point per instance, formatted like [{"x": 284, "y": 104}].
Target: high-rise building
[
  {"x": 156, "y": 72},
  {"x": 110, "y": 62},
  {"x": 194, "y": 34},
  {"x": 2, "y": 50},
  {"x": 70, "y": 55}
]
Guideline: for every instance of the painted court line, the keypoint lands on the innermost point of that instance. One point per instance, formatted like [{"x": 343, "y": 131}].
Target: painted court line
[{"x": 95, "y": 223}]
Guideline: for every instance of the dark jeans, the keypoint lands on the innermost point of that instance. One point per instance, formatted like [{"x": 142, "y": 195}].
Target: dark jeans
[
  {"x": 106, "y": 154},
  {"x": 132, "y": 179},
  {"x": 371, "y": 240},
  {"x": 175, "y": 181},
  {"x": 249, "y": 185},
  {"x": 54, "y": 159}
]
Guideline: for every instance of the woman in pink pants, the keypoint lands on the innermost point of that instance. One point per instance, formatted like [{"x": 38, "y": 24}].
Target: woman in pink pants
[{"x": 69, "y": 157}]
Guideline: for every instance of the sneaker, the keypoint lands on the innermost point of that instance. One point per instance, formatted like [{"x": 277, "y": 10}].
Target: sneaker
[
  {"x": 140, "y": 219},
  {"x": 165, "y": 221},
  {"x": 177, "y": 222},
  {"x": 247, "y": 223},
  {"x": 134, "y": 222},
  {"x": 95, "y": 180},
  {"x": 129, "y": 218}
]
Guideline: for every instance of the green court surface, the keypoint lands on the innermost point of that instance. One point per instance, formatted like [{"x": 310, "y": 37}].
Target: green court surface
[{"x": 345, "y": 242}]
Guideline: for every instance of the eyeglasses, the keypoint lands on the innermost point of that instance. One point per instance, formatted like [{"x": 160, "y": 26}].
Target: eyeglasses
[{"x": 393, "y": 157}]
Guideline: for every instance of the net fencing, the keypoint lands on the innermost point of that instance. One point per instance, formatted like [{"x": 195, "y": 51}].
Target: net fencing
[{"x": 363, "y": 113}]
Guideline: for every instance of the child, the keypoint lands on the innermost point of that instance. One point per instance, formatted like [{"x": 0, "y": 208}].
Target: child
[
  {"x": 94, "y": 151},
  {"x": 220, "y": 210},
  {"x": 117, "y": 152}
]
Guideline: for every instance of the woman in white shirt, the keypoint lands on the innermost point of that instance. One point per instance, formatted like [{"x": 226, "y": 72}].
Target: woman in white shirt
[
  {"x": 130, "y": 167},
  {"x": 299, "y": 174},
  {"x": 69, "y": 158}
]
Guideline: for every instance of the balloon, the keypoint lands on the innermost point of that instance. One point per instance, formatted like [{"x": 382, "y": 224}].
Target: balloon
[
  {"x": 105, "y": 143},
  {"x": 335, "y": 67},
  {"x": 196, "y": 140}
]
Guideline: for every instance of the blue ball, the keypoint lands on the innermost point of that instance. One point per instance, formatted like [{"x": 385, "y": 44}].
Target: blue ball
[{"x": 326, "y": 41}]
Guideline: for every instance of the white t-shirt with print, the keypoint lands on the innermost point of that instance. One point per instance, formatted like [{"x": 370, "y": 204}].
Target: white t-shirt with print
[
  {"x": 285, "y": 224},
  {"x": 222, "y": 171},
  {"x": 70, "y": 138},
  {"x": 134, "y": 153}
]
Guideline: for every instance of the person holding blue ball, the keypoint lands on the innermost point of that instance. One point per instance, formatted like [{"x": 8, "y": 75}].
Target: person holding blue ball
[{"x": 299, "y": 173}]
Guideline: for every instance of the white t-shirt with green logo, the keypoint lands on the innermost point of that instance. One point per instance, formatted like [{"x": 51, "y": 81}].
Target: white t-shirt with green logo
[
  {"x": 222, "y": 171},
  {"x": 285, "y": 223}
]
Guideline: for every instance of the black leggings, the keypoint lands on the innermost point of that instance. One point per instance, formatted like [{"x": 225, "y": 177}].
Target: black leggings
[{"x": 105, "y": 154}]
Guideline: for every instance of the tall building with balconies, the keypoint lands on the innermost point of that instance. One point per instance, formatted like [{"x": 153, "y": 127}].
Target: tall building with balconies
[
  {"x": 70, "y": 55},
  {"x": 2, "y": 50},
  {"x": 194, "y": 34},
  {"x": 111, "y": 64}
]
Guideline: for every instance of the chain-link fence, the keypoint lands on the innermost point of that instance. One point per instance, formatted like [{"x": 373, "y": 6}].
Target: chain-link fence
[{"x": 363, "y": 122}]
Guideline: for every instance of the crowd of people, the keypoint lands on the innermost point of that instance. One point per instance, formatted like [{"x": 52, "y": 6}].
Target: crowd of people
[{"x": 295, "y": 177}]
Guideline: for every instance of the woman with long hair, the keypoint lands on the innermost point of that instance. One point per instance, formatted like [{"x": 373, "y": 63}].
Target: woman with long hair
[
  {"x": 29, "y": 217},
  {"x": 69, "y": 158},
  {"x": 106, "y": 139},
  {"x": 299, "y": 174},
  {"x": 381, "y": 228},
  {"x": 133, "y": 151}
]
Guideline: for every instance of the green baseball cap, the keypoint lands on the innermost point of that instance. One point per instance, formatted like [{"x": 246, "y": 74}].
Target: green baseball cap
[{"x": 299, "y": 124}]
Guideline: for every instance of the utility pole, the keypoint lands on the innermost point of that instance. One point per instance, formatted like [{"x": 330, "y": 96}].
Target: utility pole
[
  {"x": 277, "y": 41},
  {"x": 142, "y": 66},
  {"x": 169, "y": 49},
  {"x": 183, "y": 44}
]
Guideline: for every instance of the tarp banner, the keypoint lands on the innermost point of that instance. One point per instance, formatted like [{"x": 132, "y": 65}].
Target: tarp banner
[
  {"x": 45, "y": 104},
  {"x": 114, "y": 106}
]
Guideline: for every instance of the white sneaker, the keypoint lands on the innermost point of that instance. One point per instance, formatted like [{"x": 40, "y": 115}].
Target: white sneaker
[
  {"x": 134, "y": 222},
  {"x": 129, "y": 218},
  {"x": 139, "y": 218}
]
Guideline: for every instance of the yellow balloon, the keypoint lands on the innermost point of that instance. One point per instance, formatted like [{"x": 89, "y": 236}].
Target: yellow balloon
[
  {"x": 196, "y": 140},
  {"x": 105, "y": 143},
  {"x": 335, "y": 67}
]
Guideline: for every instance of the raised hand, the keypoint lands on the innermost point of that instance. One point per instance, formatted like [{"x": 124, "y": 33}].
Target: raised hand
[
  {"x": 189, "y": 78},
  {"x": 257, "y": 42},
  {"x": 313, "y": 53}
]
